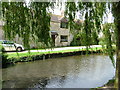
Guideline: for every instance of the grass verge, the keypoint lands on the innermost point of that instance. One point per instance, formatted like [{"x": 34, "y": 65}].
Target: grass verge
[{"x": 24, "y": 54}]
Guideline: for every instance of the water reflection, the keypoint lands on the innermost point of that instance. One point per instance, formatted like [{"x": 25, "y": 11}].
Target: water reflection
[{"x": 67, "y": 72}]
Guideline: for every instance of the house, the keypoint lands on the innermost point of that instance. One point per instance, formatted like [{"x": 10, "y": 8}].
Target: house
[{"x": 59, "y": 32}]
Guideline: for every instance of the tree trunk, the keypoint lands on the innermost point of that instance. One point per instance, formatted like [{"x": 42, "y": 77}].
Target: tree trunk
[
  {"x": 116, "y": 14},
  {"x": 117, "y": 83}
]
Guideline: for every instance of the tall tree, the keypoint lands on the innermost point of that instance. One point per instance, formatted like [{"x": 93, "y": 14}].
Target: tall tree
[
  {"x": 16, "y": 17},
  {"x": 116, "y": 13},
  {"x": 40, "y": 21},
  {"x": 94, "y": 12},
  {"x": 27, "y": 21}
]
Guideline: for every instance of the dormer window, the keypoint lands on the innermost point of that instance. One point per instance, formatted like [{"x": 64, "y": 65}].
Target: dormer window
[{"x": 64, "y": 23}]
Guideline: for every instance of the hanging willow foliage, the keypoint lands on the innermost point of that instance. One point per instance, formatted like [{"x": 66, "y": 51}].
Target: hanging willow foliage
[
  {"x": 93, "y": 18},
  {"x": 108, "y": 31},
  {"x": 40, "y": 21},
  {"x": 93, "y": 14},
  {"x": 27, "y": 21},
  {"x": 16, "y": 17}
]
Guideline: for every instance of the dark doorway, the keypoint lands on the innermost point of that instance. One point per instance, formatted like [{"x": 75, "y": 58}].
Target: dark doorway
[
  {"x": 53, "y": 39},
  {"x": 54, "y": 34}
]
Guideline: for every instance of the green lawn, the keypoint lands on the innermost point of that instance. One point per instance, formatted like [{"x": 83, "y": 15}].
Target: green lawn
[{"x": 23, "y": 54}]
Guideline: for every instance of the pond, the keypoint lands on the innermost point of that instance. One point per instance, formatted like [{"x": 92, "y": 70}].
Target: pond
[{"x": 81, "y": 71}]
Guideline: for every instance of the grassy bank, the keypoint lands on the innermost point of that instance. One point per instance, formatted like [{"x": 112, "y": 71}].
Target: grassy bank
[
  {"x": 48, "y": 53},
  {"x": 24, "y": 54}
]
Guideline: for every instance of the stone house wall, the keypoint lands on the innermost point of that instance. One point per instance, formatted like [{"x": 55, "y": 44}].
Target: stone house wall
[{"x": 61, "y": 31}]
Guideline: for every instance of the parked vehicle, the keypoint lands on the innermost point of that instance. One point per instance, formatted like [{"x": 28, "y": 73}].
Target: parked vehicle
[{"x": 11, "y": 46}]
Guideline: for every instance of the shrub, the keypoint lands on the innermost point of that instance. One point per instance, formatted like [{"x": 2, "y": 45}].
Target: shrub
[
  {"x": 3, "y": 57},
  {"x": 76, "y": 41}
]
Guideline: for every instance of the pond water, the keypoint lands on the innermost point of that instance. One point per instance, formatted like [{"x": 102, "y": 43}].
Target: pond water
[{"x": 82, "y": 71}]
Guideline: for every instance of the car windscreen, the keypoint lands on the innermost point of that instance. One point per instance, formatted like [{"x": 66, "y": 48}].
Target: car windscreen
[{"x": 8, "y": 42}]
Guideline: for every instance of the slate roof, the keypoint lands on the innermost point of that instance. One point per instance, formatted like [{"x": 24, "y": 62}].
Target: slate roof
[
  {"x": 55, "y": 18},
  {"x": 58, "y": 18}
]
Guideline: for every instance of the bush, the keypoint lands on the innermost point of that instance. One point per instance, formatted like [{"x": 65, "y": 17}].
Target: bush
[
  {"x": 76, "y": 41},
  {"x": 3, "y": 57}
]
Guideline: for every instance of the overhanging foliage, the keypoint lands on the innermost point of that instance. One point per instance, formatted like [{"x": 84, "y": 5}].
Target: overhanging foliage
[
  {"x": 93, "y": 14},
  {"x": 28, "y": 22}
]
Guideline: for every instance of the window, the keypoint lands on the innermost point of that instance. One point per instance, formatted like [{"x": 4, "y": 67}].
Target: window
[
  {"x": 64, "y": 38},
  {"x": 64, "y": 25},
  {"x": 8, "y": 42},
  {"x": 5, "y": 42}
]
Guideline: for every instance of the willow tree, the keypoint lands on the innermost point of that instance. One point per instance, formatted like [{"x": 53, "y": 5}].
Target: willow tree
[
  {"x": 116, "y": 14},
  {"x": 27, "y": 21},
  {"x": 93, "y": 13},
  {"x": 23, "y": 21},
  {"x": 16, "y": 18},
  {"x": 40, "y": 21}
]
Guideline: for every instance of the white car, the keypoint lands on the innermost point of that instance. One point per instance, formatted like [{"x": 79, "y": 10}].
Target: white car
[{"x": 11, "y": 46}]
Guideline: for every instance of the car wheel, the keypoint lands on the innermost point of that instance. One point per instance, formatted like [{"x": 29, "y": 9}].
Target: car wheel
[{"x": 19, "y": 49}]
